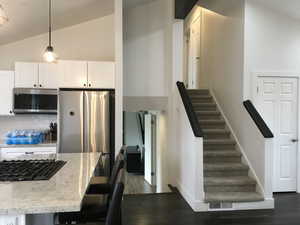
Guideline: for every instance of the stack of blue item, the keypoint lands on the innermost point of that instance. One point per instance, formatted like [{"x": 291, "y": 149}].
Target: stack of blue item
[{"x": 24, "y": 137}]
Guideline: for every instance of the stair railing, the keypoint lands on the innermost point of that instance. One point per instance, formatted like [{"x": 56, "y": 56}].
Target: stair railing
[
  {"x": 194, "y": 122},
  {"x": 258, "y": 120}
]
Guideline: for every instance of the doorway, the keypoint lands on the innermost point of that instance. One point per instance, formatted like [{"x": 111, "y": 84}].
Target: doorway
[
  {"x": 140, "y": 141},
  {"x": 193, "y": 40},
  {"x": 277, "y": 100}
]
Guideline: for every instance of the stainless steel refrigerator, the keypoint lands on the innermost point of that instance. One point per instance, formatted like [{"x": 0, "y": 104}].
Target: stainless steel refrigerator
[{"x": 86, "y": 123}]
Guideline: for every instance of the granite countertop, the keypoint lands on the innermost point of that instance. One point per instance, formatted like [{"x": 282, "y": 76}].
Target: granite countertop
[
  {"x": 64, "y": 192},
  {"x": 44, "y": 144}
]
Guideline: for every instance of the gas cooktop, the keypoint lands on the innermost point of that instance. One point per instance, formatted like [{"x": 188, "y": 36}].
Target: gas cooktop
[{"x": 29, "y": 170}]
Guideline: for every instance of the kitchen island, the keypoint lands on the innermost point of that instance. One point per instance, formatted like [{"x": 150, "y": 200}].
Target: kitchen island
[{"x": 64, "y": 192}]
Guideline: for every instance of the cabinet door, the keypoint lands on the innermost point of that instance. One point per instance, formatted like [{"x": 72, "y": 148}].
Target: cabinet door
[
  {"x": 74, "y": 73},
  {"x": 26, "y": 75},
  {"x": 49, "y": 75},
  {"x": 6, "y": 87},
  {"x": 101, "y": 74}
]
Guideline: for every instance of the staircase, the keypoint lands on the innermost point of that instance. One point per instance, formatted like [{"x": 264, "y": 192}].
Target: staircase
[{"x": 226, "y": 178}]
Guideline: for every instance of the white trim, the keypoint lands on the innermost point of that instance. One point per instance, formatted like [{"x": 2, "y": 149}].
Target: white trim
[
  {"x": 196, "y": 205},
  {"x": 245, "y": 159},
  {"x": 279, "y": 74}
]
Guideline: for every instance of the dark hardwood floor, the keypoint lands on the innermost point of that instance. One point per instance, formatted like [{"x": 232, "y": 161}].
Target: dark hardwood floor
[{"x": 171, "y": 209}]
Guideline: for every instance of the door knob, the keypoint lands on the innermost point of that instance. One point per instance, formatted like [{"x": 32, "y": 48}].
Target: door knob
[{"x": 295, "y": 140}]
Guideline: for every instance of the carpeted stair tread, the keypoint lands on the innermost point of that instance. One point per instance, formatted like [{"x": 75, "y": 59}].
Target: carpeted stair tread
[
  {"x": 198, "y": 91},
  {"x": 215, "y": 131},
  {"x": 225, "y": 167},
  {"x": 219, "y": 142},
  {"x": 216, "y": 197},
  {"x": 220, "y": 121},
  {"x": 225, "y": 153},
  {"x": 205, "y": 113},
  {"x": 206, "y": 104},
  {"x": 229, "y": 181}
]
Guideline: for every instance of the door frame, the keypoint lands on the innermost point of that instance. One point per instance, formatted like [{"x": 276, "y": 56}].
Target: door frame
[{"x": 279, "y": 74}]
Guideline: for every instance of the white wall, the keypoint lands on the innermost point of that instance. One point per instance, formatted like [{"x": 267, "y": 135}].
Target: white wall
[
  {"x": 272, "y": 42},
  {"x": 118, "y": 44},
  {"x": 147, "y": 60},
  {"x": 92, "y": 40}
]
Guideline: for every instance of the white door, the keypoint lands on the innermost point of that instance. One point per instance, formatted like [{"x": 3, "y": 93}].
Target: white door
[
  {"x": 26, "y": 75},
  {"x": 74, "y": 73},
  {"x": 50, "y": 75},
  {"x": 277, "y": 100},
  {"x": 194, "y": 54},
  {"x": 6, "y": 96},
  {"x": 150, "y": 149},
  {"x": 101, "y": 74}
]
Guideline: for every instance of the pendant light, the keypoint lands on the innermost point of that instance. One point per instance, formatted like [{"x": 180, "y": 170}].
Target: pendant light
[
  {"x": 3, "y": 16},
  {"x": 49, "y": 55}
]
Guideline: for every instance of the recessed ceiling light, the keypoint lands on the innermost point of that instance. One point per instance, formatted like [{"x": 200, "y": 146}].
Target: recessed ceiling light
[{"x": 3, "y": 16}]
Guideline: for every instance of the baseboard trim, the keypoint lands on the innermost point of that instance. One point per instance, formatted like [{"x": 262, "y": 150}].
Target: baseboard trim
[{"x": 196, "y": 205}]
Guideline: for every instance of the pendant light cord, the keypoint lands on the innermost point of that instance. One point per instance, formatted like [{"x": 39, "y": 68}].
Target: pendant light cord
[{"x": 50, "y": 22}]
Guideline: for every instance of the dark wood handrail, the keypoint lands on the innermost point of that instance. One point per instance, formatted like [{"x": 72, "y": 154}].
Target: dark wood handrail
[
  {"x": 194, "y": 122},
  {"x": 258, "y": 120}
]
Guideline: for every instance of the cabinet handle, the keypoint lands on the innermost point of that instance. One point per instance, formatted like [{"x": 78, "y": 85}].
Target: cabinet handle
[
  {"x": 90, "y": 85},
  {"x": 40, "y": 85},
  {"x": 29, "y": 153},
  {"x": 34, "y": 85},
  {"x": 10, "y": 112},
  {"x": 84, "y": 85}
]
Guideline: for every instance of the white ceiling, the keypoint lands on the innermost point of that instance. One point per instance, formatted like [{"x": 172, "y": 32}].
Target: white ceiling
[
  {"x": 287, "y": 7},
  {"x": 30, "y": 17}
]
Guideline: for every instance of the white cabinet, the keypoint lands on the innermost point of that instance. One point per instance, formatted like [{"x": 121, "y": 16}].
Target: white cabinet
[
  {"x": 101, "y": 74},
  {"x": 74, "y": 73},
  {"x": 15, "y": 152},
  {"x": 50, "y": 75},
  {"x": 65, "y": 73},
  {"x": 6, "y": 96},
  {"x": 26, "y": 75}
]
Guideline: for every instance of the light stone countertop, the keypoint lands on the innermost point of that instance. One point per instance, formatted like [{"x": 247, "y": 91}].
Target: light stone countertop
[{"x": 64, "y": 192}]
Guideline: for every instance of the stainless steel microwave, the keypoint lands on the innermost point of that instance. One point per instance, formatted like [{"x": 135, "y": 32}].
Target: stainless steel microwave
[{"x": 35, "y": 101}]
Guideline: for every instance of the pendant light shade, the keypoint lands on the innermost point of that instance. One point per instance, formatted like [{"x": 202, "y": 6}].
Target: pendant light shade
[
  {"x": 49, "y": 55},
  {"x": 3, "y": 16}
]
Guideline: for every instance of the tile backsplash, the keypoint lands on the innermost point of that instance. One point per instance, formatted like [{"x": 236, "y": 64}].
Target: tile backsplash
[{"x": 8, "y": 123}]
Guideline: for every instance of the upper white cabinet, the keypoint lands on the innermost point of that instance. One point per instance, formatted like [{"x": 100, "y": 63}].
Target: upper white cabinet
[
  {"x": 26, "y": 75},
  {"x": 101, "y": 74},
  {"x": 65, "y": 73},
  {"x": 6, "y": 96},
  {"x": 50, "y": 75},
  {"x": 74, "y": 73}
]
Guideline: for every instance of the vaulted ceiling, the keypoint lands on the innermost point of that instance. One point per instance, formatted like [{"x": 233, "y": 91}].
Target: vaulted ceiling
[
  {"x": 28, "y": 18},
  {"x": 290, "y": 8}
]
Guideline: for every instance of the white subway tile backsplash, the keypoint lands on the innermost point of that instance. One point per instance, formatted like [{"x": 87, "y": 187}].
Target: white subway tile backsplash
[{"x": 8, "y": 123}]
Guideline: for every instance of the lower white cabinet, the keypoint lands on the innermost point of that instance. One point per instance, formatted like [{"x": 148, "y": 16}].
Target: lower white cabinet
[
  {"x": 13, "y": 220},
  {"x": 15, "y": 152},
  {"x": 6, "y": 96}
]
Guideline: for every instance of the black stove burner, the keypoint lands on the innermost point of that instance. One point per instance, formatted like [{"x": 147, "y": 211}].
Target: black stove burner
[{"x": 29, "y": 170}]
